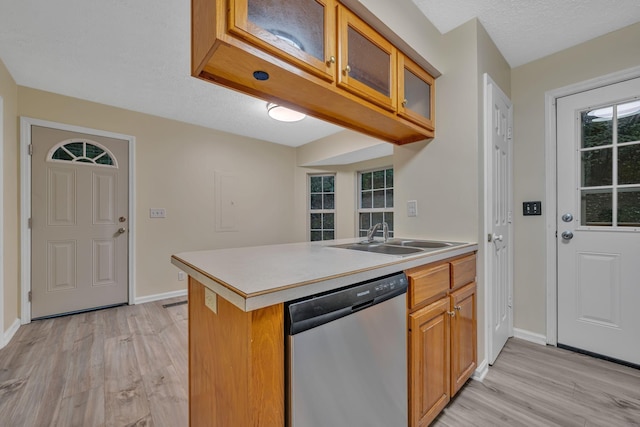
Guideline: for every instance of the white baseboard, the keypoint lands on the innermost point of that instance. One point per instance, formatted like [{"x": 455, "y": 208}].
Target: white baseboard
[
  {"x": 157, "y": 297},
  {"x": 530, "y": 336},
  {"x": 9, "y": 333},
  {"x": 481, "y": 371}
]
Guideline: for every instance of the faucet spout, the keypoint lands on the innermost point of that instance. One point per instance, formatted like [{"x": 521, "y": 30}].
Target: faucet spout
[{"x": 372, "y": 232}]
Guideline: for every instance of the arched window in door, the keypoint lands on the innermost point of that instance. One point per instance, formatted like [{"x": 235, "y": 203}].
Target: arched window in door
[{"x": 82, "y": 151}]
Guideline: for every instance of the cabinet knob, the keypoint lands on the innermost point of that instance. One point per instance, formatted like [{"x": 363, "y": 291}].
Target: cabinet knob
[
  {"x": 451, "y": 313},
  {"x": 457, "y": 307},
  {"x": 332, "y": 60},
  {"x": 347, "y": 70},
  {"x": 404, "y": 102}
]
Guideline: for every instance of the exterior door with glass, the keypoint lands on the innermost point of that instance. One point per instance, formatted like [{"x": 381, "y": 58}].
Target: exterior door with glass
[
  {"x": 598, "y": 220},
  {"x": 79, "y": 231}
]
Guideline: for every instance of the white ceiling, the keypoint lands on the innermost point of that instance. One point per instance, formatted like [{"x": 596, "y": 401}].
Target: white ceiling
[{"x": 135, "y": 54}]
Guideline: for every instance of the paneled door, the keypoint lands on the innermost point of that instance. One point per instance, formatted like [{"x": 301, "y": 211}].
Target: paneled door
[
  {"x": 499, "y": 119},
  {"x": 598, "y": 220},
  {"x": 79, "y": 224}
]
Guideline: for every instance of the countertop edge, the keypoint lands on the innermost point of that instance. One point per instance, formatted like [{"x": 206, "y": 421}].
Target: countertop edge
[{"x": 250, "y": 302}]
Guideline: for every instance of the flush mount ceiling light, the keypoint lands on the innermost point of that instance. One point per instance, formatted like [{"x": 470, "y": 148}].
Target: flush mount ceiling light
[{"x": 283, "y": 114}]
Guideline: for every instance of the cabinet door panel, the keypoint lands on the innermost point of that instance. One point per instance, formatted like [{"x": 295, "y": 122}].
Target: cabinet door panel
[
  {"x": 416, "y": 92},
  {"x": 463, "y": 336},
  {"x": 300, "y": 31},
  {"x": 367, "y": 61},
  {"x": 429, "y": 361}
]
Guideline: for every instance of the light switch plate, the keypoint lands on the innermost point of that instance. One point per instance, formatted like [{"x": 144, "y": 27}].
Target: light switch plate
[{"x": 412, "y": 208}]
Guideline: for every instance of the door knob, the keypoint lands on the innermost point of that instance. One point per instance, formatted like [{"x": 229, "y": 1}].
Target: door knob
[
  {"x": 121, "y": 230},
  {"x": 497, "y": 237},
  {"x": 567, "y": 217},
  {"x": 567, "y": 235}
]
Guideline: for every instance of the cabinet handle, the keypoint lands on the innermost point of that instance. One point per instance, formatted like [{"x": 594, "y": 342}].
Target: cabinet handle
[
  {"x": 347, "y": 70},
  {"x": 457, "y": 307},
  {"x": 451, "y": 313},
  {"x": 332, "y": 60},
  {"x": 404, "y": 102}
]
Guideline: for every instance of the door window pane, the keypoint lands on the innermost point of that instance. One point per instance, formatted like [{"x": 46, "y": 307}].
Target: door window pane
[
  {"x": 629, "y": 164},
  {"x": 629, "y": 122},
  {"x": 369, "y": 64},
  {"x": 597, "y": 127},
  {"x": 629, "y": 207},
  {"x": 597, "y": 207},
  {"x": 300, "y": 23},
  {"x": 597, "y": 167}
]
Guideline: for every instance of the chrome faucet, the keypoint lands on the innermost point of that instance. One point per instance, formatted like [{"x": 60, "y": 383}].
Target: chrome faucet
[{"x": 372, "y": 231}]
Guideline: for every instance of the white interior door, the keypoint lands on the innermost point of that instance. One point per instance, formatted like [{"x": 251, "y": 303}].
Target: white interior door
[
  {"x": 79, "y": 224},
  {"x": 499, "y": 171},
  {"x": 598, "y": 221}
]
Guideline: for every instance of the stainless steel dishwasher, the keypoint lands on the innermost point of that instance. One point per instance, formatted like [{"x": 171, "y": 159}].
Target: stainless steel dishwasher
[{"x": 347, "y": 356}]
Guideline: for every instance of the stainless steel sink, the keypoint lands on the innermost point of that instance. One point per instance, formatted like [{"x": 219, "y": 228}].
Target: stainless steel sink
[
  {"x": 380, "y": 248},
  {"x": 402, "y": 247},
  {"x": 427, "y": 244}
]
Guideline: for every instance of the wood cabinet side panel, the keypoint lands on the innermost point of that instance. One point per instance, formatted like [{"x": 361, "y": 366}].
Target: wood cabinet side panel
[
  {"x": 236, "y": 375},
  {"x": 429, "y": 362},
  {"x": 427, "y": 283},
  {"x": 266, "y": 383},
  {"x": 463, "y": 336}
]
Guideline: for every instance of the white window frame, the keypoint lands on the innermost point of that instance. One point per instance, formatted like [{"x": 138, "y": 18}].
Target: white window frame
[
  {"x": 359, "y": 208},
  {"x": 320, "y": 211}
]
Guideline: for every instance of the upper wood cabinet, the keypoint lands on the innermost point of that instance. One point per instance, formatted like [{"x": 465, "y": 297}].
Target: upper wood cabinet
[
  {"x": 416, "y": 93},
  {"x": 315, "y": 56},
  {"x": 367, "y": 61},
  {"x": 299, "y": 31}
]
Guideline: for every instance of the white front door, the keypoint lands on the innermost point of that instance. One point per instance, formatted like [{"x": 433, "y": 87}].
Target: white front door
[
  {"x": 598, "y": 221},
  {"x": 499, "y": 116},
  {"x": 79, "y": 224}
]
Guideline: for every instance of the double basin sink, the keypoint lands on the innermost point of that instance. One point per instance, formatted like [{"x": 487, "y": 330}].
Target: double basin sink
[{"x": 401, "y": 247}]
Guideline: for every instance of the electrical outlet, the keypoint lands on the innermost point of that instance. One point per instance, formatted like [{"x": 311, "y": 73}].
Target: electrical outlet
[
  {"x": 157, "y": 213},
  {"x": 181, "y": 275}
]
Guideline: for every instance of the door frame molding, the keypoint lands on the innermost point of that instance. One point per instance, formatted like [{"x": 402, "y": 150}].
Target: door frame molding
[
  {"x": 551, "y": 184},
  {"x": 2, "y": 334},
  {"x": 487, "y": 227},
  {"x": 25, "y": 205}
]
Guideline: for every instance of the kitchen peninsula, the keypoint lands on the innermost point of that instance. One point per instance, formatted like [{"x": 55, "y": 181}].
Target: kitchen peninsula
[{"x": 236, "y": 316}]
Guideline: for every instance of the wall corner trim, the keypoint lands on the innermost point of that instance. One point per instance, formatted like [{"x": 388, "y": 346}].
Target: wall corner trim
[
  {"x": 481, "y": 371},
  {"x": 157, "y": 297},
  {"x": 9, "y": 333},
  {"x": 530, "y": 336}
]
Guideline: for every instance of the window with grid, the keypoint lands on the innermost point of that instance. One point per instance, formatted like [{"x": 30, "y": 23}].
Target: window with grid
[
  {"x": 375, "y": 201},
  {"x": 322, "y": 207},
  {"x": 609, "y": 158}
]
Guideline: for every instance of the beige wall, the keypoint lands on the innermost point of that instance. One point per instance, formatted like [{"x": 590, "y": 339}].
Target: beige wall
[
  {"x": 175, "y": 168},
  {"x": 607, "y": 54},
  {"x": 9, "y": 94}
]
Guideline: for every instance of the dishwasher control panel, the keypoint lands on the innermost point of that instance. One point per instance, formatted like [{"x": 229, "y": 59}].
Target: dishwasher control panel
[{"x": 319, "y": 309}]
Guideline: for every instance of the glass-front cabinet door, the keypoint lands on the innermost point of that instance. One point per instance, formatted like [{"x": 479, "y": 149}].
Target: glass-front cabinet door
[
  {"x": 415, "y": 93},
  {"x": 301, "y": 32},
  {"x": 367, "y": 61}
]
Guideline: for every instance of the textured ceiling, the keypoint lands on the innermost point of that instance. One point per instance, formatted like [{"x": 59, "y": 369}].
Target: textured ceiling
[
  {"x": 526, "y": 30},
  {"x": 134, "y": 54}
]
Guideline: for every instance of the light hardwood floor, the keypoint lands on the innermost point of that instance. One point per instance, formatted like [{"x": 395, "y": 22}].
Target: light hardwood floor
[{"x": 127, "y": 366}]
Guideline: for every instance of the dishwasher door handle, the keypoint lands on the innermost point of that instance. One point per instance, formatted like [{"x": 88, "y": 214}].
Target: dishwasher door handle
[{"x": 362, "y": 305}]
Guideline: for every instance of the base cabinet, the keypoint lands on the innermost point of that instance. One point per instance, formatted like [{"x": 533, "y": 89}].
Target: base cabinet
[{"x": 442, "y": 335}]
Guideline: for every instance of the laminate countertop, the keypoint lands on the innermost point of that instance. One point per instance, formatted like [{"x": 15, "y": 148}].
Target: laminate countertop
[{"x": 260, "y": 276}]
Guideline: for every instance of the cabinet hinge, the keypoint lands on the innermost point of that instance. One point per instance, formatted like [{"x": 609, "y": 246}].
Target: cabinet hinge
[
  {"x": 509, "y": 133},
  {"x": 30, "y": 148},
  {"x": 29, "y": 296},
  {"x": 29, "y": 223}
]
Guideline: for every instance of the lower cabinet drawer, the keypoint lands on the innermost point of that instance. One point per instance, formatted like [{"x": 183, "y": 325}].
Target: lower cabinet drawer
[{"x": 427, "y": 283}]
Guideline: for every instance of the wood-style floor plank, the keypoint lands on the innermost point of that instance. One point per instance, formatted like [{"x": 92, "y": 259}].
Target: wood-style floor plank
[{"x": 127, "y": 366}]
